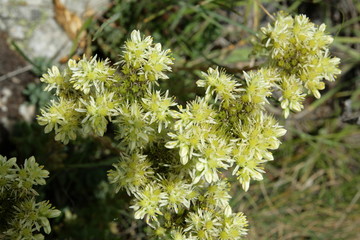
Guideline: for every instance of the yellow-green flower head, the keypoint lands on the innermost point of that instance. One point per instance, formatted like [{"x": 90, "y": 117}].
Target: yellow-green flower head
[
  {"x": 53, "y": 78},
  {"x": 144, "y": 59},
  {"x": 98, "y": 112},
  {"x": 217, "y": 194},
  {"x": 183, "y": 142},
  {"x": 178, "y": 234},
  {"x": 135, "y": 48},
  {"x": 177, "y": 193},
  {"x": 197, "y": 112},
  {"x": 20, "y": 179},
  {"x": 292, "y": 95},
  {"x": 220, "y": 84},
  {"x": 147, "y": 204},
  {"x": 158, "y": 108},
  {"x": 259, "y": 135},
  {"x": 61, "y": 117},
  {"x": 257, "y": 88},
  {"x": 157, "y": 63},
  {"x": 234, "y": 227},
  {"x": 134, "y": 128},
  {"x": 191, "y": 128},
  {"x": 214, "y": 154},
  {"x": 91, "y": 75},
  {"x": 131, "y": 173},
  {"x": 203, "y": 224}
]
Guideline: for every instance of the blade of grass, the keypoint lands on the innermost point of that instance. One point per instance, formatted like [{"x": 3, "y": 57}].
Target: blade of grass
[
  {"x": 77, "y": 40},
  {"x": 112, "y": 19},
  {"x": 318, "y": 102},
  {"x": 21, "y": 52},
  {"x": 158, "y": 14},
  {"x": 352, "y": 40},
  {"x": 230, "y": 21}
]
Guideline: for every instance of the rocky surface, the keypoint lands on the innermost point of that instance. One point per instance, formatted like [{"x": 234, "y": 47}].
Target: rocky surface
[
  {"x": 32, "y": 24},
  {"x": 12, "y": 100}
]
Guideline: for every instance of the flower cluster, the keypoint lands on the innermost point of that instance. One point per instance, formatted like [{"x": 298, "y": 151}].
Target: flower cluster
[
  {"x": 84, "y": 104},
  {"x": 143, "y": 64},
  {"x": 21, "y": 217},
  {"x": 174, "y": 158},
  {"x": 299, "y": 51}
]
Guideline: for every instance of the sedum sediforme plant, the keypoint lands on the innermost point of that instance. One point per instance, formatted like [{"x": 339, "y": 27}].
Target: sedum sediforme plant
[
  {"x": 176, "y": 160},
  {"x": 21, "y": 217}
]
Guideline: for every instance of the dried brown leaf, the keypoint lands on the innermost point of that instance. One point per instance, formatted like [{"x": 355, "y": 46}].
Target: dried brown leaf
[{"x": 69, "y": 21}]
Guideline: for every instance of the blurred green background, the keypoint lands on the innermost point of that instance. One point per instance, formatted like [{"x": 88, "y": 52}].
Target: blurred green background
[{"x": 312, "y": 188}]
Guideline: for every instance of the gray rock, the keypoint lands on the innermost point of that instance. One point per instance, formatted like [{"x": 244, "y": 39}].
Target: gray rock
[
  {"x": 17, "y": 32},
  {"x": 31, "y": 24},
  {"x": 53, "y": 41}
]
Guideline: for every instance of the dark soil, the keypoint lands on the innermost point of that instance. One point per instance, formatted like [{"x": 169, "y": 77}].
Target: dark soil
[{"x": 11, "y": 89}]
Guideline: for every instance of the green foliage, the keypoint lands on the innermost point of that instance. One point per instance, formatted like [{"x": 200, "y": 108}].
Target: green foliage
[
  {"x": 21, "y": 217},
  {"x": 189, "y": 25},
  {"x": 173, "y": 161},
  {"x": 37, "y": 95}
]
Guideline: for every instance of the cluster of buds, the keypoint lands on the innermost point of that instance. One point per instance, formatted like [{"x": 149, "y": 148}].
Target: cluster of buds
[
  {"x": 21, "y": 217},
  {"x": 298, "y": 51}
]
